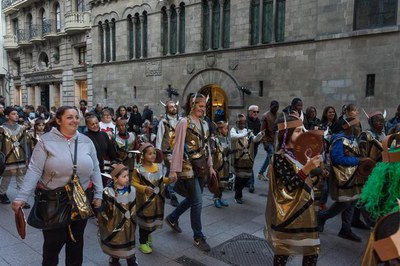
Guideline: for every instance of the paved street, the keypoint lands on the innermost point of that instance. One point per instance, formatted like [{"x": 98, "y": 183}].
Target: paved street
[{"x": 219, "y": 225}]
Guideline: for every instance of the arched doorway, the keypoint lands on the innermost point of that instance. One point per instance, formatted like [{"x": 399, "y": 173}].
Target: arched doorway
[{"x": 218, "y": 97}]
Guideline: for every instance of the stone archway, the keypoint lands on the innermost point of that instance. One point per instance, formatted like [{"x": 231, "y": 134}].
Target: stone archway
[{"x": 215, "y": 77}]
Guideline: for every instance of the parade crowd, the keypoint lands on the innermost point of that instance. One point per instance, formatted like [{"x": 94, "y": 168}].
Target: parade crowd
[{"x": 129, "y": 162}]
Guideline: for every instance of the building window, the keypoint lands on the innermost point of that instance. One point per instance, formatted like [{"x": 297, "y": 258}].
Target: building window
[
  {"x": 15, "y": 26},
  {"x": 173, "y": 29},
  {"x": 131, "y": 35},
  {"x": 137, "y": 30},
  {"x": 216, "y": 24},
  {"x": 137, "y": 36},
  {"x": 374, "y": 13},
  {"x": 108, "y": 41},
  {"x": 82, "y": 55},
  {"x": 58, "y": 18},
  {"x": 101, "y": 40},
  {"x": 262, "y": 21},
  {"x": 370, "y": 88},
  {"x": 113, "y": 44},
  {"x": 43, "y": 21},
  {"x": 144, "y": 30},
  {"x": 80, "y": 5}
]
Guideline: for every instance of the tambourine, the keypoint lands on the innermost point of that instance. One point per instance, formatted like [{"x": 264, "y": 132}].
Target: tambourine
[
  {"x": 20, "y": 222},
  {"x": 308, "y": 145},
  {"x": 365, "y": 167}
]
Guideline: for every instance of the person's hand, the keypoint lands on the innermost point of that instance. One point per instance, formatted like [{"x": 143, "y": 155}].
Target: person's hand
[
  {"x": 249, "y": 132},
  {"x": 172, "y": 179},
  {"x": 212, "y": 172},
  {"x": 173, "y": 175},
  {"x": 311, "y": 164},
  {"x": 16, "y": 204},
  {"x": 149, "y": 191},
  {"x": 97, "y": 203}
]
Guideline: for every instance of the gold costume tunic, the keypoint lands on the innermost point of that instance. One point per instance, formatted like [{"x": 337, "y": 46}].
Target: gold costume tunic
[
  {"x": 370, "y": 145},
  {"x": 124, "y": 146},
  {"x": 220, "y": 156},
  {"x": 33, "y": 139},
  {"x": 117, "y": 223},
  {"x": 244, "y": 155},
  {"x": 345, "y": 184},
  {"x": 196, "y": 146},
  {"x": 291, "y": 219},
  {"x": 149, "y": 209},
  {"x": 14, "y": 146}
]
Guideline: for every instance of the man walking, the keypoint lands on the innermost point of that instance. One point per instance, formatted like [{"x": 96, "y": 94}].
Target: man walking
[{"x": 253, "y": 124}]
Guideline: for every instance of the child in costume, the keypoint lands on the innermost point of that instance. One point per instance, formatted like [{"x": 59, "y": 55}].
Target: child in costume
[
  {"x": 381, "y": 192},
  {"x": 125, "y": 143},
  {"x": 243, "y": 141},
  {"x": 291, "y": 220},
  {"x": 149, "y": 183},
  {"x": 220, "y": 151},
  {"x": 116, "y": 218},
  {"x": 34, "y": 135}
]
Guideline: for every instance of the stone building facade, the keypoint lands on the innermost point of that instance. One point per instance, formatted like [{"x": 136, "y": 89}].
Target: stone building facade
[
  {"x": 48, "y": 44},
  {"x": 239, "y": 52},
  {"x": 325, "y": 52}
]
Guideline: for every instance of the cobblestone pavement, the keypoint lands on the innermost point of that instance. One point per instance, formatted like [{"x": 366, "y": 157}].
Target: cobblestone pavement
[{"x": 219, "y": 225}]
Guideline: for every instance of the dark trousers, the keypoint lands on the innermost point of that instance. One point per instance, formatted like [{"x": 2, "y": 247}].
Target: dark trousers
[
  {"x": 55, "y": 239},
  {"x": 144, "y": 235},
  {"x": 346, "y": 208},
  {"x": 240, "y": 183}
]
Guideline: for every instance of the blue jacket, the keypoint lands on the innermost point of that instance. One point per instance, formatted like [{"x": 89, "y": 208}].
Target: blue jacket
[{"x": 338, "y": 156}]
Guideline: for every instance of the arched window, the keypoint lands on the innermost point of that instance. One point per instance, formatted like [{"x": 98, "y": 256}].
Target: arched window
[
  {"x": 174, "y": 28},
  {"x": 216, "y": 24},
  {"x": 131, "y": 36},
  {"x": 80, "y": 5},
  {"x": 43, "y": 21},
  {"x": 43, "y": 60},
  {"x": 262, "y": 18},
  {"x": 144, "y": 34},
  {"x": 138, "y": 39},
  {"x": 164, "y": 26},
  {"x": 182, "y": 28},
  {"x": 101, "y": 40},
  {"x": 58, "y": 17},
  {"x": 108, "y": 40},
  {"x": 113, "y": 43},
  {"x": 30, "y": 28}
]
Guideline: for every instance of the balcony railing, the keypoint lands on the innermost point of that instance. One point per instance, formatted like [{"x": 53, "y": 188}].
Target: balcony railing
[
  {"x": 77, "y": 21},
  {"x": 9, "y": 6},
  {"x": 10, "y": 42},
  {"x": 23, "y": 37},
  {"x": 50, "y": 28},
  {"x": 34, "y": 33}
]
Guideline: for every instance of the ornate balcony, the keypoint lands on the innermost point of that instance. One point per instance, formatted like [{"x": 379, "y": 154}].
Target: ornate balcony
[
  {"x": 23, "y": 37},
  {"x": 35, "y": 35},
  {"x": 76, "y": 22},
  {"x": 50, "y": 29},
  {"x": 10, "y": 42},
  {"x": 10, "y": 6}
]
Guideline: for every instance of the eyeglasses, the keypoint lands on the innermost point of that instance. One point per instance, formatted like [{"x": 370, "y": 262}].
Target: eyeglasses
[{"x": 256, "y": 112}]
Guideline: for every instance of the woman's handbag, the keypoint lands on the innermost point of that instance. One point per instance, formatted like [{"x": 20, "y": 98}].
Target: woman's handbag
[
  {"x": 81, "y": 208},
  {"x": 200, "y": 167},
  {"x": 51, "y": 210}
]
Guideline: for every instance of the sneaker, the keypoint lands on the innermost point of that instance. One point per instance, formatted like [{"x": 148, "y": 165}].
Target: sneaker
[
  {"x": 360, "y": 225},
  {"x": 114, "y": 262},
  {"x": 145, "y": 248},
  {"x": 217, "y": 203},
  {"x": 349, "y": 235},
  {"x": 224, "y": 203},
  {"x": 239, "y": 201},
  {"x": 201, "y": 244},
  {"x": 174, "y": 225},
  {"x": 174, "y": 200},
  {"x": 4, "y": 199},
  {"x": 150, "y": 240},
  {"x": 251, "y": 188},
  {"x": 132, "y": 261},
  {"x": 26, "y": 206},
  {"x": 260, "y": 176}
]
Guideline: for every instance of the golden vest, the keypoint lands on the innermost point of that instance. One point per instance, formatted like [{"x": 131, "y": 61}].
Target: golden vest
[
  {"x": 291, "y": 219},
  {"x": 220, "y": 155},
  {"x": 196, "y": 146},
  {"x": 345, "y": 184},
  {"x": 14, "y": 144},
  {"x": 244, "y": 156},
  {"x": 372, "y": 145}
]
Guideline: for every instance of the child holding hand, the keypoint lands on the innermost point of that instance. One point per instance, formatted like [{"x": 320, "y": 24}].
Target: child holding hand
[{"x": 149, "y": 182}]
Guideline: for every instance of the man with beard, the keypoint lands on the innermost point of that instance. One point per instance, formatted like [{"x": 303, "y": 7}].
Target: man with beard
[
  {"x": 164, "y": 142},
  {"x": 253, "y": 124}
]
